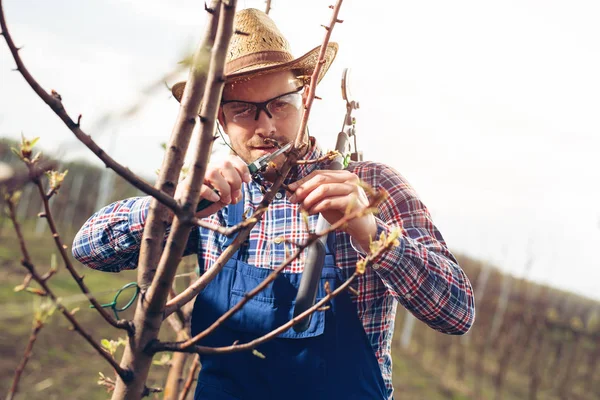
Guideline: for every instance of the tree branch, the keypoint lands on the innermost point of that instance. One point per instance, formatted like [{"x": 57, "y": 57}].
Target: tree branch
[
  {"x": 32, "y": 338},
  {"x": 26, "y": 262},
  {"x": 121, "y": 324},
  {"x": 156, "y": 272},
  {"x": 54, "y": 101},
  {"x": 180, "y": 229},
  {"x": 316, "y": 73},
  {"x": 190, "y": 378},
  {"x": 331, "y": 155}
]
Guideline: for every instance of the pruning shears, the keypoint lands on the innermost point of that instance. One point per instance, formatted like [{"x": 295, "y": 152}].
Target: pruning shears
[
  {"x": 256, "y": 167},
  {"x": 315, "y": 256}
]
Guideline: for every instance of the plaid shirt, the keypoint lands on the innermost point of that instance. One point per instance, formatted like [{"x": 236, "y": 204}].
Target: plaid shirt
[{"x": 420, "y": 273}]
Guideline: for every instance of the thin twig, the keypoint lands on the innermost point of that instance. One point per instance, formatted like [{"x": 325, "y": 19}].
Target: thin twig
[
  {"x": 331, "y": 155},
  {"x": 225, "y": 231},
  {"x": 121, "y": 324},
  {"x": 18, "y": 179},
  {"x": 54, "y": 101},
  {"x": 316, "y": 73},
  {"x": 32, "y": 338},
  {"x": 190, "y": 378},
  {"x": 26, "y": 262}
]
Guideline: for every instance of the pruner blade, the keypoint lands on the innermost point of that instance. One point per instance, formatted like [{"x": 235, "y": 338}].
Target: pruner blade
[
  {"x": 255, "y": 168},
  {"x": 259, "y": 164}
]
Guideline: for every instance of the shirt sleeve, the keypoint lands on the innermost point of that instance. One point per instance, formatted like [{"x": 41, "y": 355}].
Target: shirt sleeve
[
  {"x": 110, "y": 239},
  {"x": 421, "y": 272}
]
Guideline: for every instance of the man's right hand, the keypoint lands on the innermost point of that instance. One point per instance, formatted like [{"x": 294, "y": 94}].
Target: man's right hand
[{"x": 225, "y": 177}]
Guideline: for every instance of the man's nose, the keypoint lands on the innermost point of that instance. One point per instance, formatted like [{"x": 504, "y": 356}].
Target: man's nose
[{"x": 264, "y": 123}]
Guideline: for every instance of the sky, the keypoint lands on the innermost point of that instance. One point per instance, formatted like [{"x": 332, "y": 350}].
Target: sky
[{"x": 488, "y": 108}]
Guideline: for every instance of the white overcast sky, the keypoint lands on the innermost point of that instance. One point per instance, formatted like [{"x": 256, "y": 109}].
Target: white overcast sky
[{"x": 489, "y": 108}]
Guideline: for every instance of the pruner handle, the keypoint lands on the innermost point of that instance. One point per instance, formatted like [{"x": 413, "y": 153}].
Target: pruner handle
[{"x": 315, "y": 258}]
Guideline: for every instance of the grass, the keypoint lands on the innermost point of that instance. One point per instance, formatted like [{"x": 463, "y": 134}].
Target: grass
[{"x": 64, "y": 366}]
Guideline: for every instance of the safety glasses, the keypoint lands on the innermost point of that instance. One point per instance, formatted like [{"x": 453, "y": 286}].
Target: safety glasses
[{"x": 246, "y": 112}]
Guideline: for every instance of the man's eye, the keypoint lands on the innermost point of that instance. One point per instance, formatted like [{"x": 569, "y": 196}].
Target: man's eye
[
  {"x": 243, "y": 112},
  {"x": 279, "y": 105},
  {"x": 240, "y": 110}
]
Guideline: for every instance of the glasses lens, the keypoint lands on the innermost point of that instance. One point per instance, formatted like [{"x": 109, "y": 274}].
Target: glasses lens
[
  {"x": 239, "y": 111},
  {"x": 284, "y": 106}
]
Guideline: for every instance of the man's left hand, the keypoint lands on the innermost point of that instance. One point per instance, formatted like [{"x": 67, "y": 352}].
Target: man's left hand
[{"x": 333, "y": 194}]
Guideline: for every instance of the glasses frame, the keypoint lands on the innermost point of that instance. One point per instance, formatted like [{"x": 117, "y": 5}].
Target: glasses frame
[{"x": 261, "y": 106}]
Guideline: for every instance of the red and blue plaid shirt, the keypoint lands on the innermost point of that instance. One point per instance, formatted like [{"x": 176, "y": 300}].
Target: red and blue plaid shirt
[{"x": 420, "y": 273}]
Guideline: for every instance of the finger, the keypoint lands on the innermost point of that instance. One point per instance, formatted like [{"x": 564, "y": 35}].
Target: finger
[
  {"x": 240, "y": 167},
  {"x": 234, "y": 178},
  {"x": 320, "y": 178},
  {"x": 323, "y": 192},
  {"x": 307, "y": 178},
  {"x": 208, "y": 193},
  {"x": 220, "y": 184},
  {"x": 339, "y": 204}
]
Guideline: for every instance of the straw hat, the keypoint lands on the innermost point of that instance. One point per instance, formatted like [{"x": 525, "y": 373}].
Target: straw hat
[{"x": 263, "y": 49}]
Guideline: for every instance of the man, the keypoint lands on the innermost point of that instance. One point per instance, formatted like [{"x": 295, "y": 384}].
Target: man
[{"x": 345, "y": 352}]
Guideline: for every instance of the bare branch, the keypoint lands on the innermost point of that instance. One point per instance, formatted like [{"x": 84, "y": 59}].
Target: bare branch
[
  {"x": 32, "y": 338},
  {"x": 180, "y": 228},
  {"x": 331, "y": 155},
  {"x": 190, "y": 378},
  {"x": 26, "y": 262},
  {"x": 223, "y": 230},
  {"x": 121, "y": 324},
  {"x": 158, "y": 217},
  {"x": 174, "y": 380},
  {"x": 14, "y": 180},
  {"x": 316, "y": 73},
  {"x": 156, "y": 282},
  {"x": 53, "y": 100}
]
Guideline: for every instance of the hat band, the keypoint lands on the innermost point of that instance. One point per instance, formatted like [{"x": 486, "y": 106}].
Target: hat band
[{"x": 257, "y": 58}]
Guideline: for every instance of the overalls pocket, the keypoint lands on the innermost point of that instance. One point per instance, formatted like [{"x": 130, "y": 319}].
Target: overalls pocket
[{"x": 273, "y": 306}]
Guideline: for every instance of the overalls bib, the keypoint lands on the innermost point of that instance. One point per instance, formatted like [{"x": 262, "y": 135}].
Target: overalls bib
[{"x": 331, "y": 360}]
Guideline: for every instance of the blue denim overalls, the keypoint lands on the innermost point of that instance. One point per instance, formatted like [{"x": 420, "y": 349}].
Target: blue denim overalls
[{"x": 331, "y": 360}]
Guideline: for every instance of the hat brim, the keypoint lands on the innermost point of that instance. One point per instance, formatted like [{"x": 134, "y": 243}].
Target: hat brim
[{"x": 305, "y": 66}]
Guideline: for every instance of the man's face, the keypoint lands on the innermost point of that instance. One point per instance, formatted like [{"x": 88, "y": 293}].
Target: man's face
[{"x": 247, "y": 133}]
